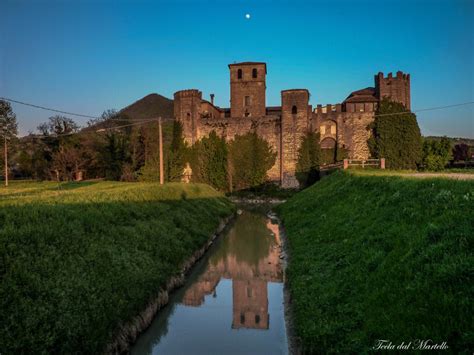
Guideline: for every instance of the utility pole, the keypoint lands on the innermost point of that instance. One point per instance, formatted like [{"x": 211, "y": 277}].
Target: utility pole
[
  {"x": 6, "y": 159},
  {"x": 160, "y": 134}
]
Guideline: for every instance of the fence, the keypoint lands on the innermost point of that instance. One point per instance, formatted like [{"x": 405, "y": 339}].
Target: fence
[{"x": 347, "y": 163}]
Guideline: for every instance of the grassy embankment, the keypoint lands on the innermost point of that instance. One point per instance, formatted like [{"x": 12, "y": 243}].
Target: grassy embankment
[
  {"x": 380, "y": 257},
  {"x": 76, "y": 262}
]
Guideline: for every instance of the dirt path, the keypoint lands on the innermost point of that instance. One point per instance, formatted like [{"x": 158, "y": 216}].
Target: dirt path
[{"x": 454, "y": 176}]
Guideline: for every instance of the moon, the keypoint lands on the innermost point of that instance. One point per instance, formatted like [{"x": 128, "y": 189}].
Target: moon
[{"x": 247, "y": 16}]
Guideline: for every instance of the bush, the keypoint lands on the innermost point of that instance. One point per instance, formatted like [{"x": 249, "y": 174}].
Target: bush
[
  {"x": 309, "y": 160},
  {"x": 208, "y": 158},
  {"x": 251, "y": 157},
  {"x": 396, "y": 136},
  {"x": 436, "y": 153}
]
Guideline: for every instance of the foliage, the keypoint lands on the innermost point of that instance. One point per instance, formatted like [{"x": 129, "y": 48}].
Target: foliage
[
  {"x": 177, "y": 153},
  {"x": 8, "y": 123},
  {"x": 78, "y": 259},
  {"x": 208, "y": 158},
  {"x": 436, "y": 154},
  {"x": 461, "y": 152},
  {"x": 250, "y": 159},
  {"x": 309, "y": 160},
  {"x": 395, "y": 136},
  {"x": 362, "y": 270},
  {"x": 8, "y": 132},
  {"x": 333, "y": 155}
]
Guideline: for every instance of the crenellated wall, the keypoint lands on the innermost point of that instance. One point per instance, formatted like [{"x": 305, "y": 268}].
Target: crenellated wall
[{"x": 344, "y": 125}]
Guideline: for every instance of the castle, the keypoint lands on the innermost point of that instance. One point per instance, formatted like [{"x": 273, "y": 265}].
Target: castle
[{"x": 343, "y": 125}]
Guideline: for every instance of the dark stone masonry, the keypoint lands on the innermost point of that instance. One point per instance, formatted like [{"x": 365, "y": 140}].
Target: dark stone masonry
[{"x": 342, "y": 125}]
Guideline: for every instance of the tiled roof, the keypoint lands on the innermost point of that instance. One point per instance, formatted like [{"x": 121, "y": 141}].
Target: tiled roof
[{"x": 363, "y": 95}]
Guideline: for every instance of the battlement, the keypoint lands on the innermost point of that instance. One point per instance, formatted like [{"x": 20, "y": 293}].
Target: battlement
[
  {"x": 328, "y": 109},
  {"x": 188, "y": 93},
  {"x": 398, "y": 75},
  {"x": 397, "y": 87}
]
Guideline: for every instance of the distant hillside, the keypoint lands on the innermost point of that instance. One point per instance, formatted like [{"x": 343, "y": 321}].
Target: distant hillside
[
  {"x": 152, "y": 105},
  {"x": 454, "y": 140}
]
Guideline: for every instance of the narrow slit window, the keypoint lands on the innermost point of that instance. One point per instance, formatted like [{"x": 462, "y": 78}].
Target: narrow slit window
[
  {"x": 294, "y": 110},
  {"x": 239, "y": 74},
  {"x": 254, "y": 73},
  {"x": 247, "y": 101}
]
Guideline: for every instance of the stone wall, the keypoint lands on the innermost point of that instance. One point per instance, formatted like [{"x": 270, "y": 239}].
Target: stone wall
[
  {"x": 267, "y": 127},
  {"x": 351, "y": 128}
]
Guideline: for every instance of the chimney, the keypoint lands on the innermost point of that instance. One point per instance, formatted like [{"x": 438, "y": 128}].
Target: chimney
[{"x": 212, "y": 99}]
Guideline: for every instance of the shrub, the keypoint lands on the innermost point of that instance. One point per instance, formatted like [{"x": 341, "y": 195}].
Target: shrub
[
  {"x": 436, "y": 153},
  {"x": 396, "y": 136}
]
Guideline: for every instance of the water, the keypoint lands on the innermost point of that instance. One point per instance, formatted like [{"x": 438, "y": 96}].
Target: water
[{"x": 232, "y": 302}]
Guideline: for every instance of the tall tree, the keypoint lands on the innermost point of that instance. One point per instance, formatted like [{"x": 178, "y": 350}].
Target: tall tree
[
  {"x": 309, "y": 160},
  {"x": 251, "y": 157},
  {"x": 209, "y": 161},
  {"x": 177, "y": 153},
  {"x": 396, "y": 136},
  {"x": 9, "y": 130}
]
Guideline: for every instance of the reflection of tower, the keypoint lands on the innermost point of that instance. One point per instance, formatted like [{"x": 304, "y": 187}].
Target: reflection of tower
[{"x": 250, "y": 304}]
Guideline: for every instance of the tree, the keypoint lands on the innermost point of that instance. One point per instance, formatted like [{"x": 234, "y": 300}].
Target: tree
[
  {"x": 58, "y": 125},
  {"x": 9, "y": 130},
  {"x": 436, "y": 153},
  {"x": 177, "y": 152},
  {"x": 251, "y": 157},
  {"x": 396, "y": 136},
  {"x": 309, "y": 160},
  {"x": 461, "y": 152},
  {"x": 209, "y": 161}
]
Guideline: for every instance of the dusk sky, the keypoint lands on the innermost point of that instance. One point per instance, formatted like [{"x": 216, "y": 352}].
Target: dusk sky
[{"x": 89, "y": 56}]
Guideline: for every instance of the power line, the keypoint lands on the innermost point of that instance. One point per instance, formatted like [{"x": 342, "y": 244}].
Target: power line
[{"x": 47, "y": 108}]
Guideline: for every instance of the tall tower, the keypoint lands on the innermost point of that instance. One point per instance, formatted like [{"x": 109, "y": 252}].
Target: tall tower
[
  {"x": 187, "y": 105},
  {"x": 395, "y": 88},
  {"x": 247, "y": 89},
  {"x": 295, "y": 113}
]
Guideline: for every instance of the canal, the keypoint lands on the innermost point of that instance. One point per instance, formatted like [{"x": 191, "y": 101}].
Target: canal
[{"x": 232, "y": 302}]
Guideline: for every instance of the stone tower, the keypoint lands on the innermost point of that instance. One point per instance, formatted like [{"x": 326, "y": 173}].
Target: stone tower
[
  {"x": 247, "y": 89},
  {"x": 187, "y": 105},
  {"x": 295, "y": 114},
  {"x": 396, "y": 88}
]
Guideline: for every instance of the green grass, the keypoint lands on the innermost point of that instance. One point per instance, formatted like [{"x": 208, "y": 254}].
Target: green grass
[
  {"x": 77, "y": 259},
  {"x": 381, "y": 257}
]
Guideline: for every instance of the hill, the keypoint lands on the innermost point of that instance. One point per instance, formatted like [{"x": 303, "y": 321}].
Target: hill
[
  {"x": 380, "y": 257},
  {"x": 153, "y": 105},
  {"x": 453, "y": 140}
]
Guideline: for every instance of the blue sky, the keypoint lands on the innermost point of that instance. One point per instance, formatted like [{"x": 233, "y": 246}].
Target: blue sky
[{"x": 89, "y": 56}]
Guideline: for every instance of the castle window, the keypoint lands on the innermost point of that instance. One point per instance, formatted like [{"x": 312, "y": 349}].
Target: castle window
[
  {"x": 294, "y": 110},
  {"x": 239, "y": 74},
  {"x": 242, "y": 318},
  {"x": 254, "y": 73},
  {"x": 257, "y": 318},
  {"x": 247, "y": 101}
]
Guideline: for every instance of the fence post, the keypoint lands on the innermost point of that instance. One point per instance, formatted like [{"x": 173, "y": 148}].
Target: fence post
[
  {"x": 382, "y": 163},
  {"x": 346, "y": 164}
]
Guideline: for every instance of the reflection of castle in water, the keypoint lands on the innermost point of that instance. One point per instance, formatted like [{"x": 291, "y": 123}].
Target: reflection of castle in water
[{"x": 249, "y": 257}]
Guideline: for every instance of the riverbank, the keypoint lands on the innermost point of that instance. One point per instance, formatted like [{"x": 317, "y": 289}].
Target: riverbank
[
  {"x": 380, "y": 257},
  {"x": 79, "y": 260}
]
